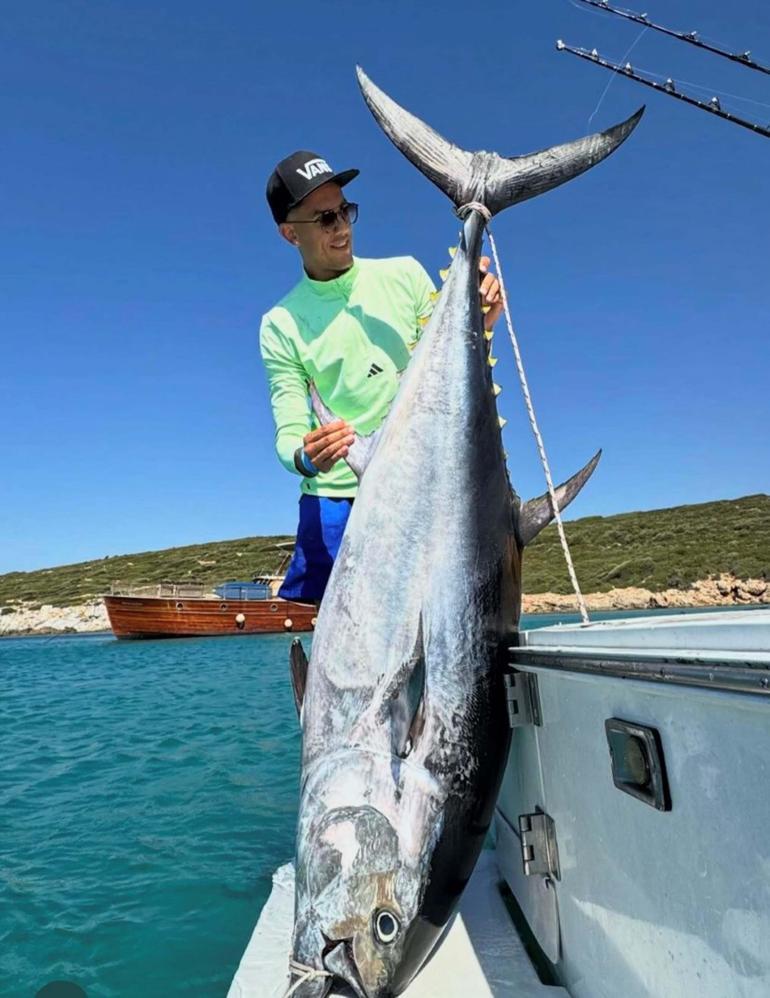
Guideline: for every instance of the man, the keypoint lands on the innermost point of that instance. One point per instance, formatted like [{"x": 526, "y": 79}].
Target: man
[{"x": 349, "y": 326}]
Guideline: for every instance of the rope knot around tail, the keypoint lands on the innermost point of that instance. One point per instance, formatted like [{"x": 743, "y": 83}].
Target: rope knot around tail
[{"x": 466, "y": 209}]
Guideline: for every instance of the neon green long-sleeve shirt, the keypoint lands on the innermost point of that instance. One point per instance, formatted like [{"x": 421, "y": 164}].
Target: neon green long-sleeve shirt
[{"x": 351, "y": 336}]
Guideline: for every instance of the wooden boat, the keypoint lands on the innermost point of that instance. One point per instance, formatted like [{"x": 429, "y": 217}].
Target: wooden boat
[{"x": 174, "y": 610}]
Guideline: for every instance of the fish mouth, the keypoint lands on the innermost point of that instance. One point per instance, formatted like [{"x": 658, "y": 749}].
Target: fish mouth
[{"x": 339, "y": 961}]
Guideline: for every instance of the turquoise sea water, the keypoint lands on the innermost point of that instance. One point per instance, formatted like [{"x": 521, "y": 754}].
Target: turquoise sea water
[{"x": 147, "y": 793}]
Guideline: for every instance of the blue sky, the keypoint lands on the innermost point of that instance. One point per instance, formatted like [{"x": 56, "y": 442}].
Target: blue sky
[{"x": 138, "y": 253}]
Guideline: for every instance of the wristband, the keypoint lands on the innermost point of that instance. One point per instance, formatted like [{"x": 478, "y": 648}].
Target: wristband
[
  {"x": 303, "y": 464},
  {"x": 309, "y": 466}
]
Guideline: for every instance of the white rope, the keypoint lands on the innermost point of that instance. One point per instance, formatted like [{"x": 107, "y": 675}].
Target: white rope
[
  {"x": 466, "y": 209},
  {"x": 462, "y": 211},
  {"x": 305, "y": 974}
]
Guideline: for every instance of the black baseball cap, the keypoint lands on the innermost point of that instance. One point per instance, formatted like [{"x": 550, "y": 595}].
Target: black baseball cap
[{"x": 297, "y": 176}]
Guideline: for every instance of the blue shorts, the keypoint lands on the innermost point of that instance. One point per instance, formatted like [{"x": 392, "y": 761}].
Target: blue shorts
[{"x": 319, "y": 534}]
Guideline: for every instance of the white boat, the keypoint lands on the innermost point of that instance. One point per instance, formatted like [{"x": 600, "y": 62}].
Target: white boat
[{"x": 632, "y": 829}]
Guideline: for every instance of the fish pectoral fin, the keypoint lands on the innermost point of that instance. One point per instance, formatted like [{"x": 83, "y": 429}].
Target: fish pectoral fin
[
  {"x": 403, "y": 703},
  {"x": 361, "y": 451},
  {"x": 298, "y": 665},
  {"x": 363, "y": 447},
  {"x": 416, "y": 727},
  {"x": 538, "y": 513},
  {"x": 407, "y": 711}
]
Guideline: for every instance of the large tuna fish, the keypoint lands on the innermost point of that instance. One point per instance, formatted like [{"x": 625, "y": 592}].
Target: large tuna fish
[{"x": 404, "y": 724}]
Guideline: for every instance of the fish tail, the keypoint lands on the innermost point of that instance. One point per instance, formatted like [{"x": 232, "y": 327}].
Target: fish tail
[{"x": 495, "y": 181}]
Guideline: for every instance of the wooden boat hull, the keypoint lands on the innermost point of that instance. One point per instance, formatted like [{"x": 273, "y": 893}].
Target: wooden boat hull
[{"x": 178, "y": 616}]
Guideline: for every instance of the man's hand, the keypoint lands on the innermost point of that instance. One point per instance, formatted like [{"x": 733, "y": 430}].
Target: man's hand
[
  {"x": 489, "y": 293},
  {"x": 329, "y": 444}
]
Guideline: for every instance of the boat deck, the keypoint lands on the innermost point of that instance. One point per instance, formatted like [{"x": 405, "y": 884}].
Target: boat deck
[{"x": 480, "y": 956}]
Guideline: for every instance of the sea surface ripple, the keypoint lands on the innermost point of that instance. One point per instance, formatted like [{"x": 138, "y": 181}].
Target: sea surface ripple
[{"x": 148, "y": 790}]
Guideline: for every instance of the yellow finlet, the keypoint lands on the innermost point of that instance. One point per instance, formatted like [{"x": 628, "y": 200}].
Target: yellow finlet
[
  {"x": 424, "y": 320},
  {"x": 443, "y": 273},
  {"x": 485, "y": 309},
  {"x": 496, "y": 389},
  {"x": 452, "y": 251},
  {"x": 491, "y": 360},
  {"x": 501, "y": 421},
  {"x": 435, "y": 295},
  {"x": 488, "y": 334}
]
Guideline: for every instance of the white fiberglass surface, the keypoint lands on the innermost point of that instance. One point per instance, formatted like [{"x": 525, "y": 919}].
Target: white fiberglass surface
[{"x": 730, "y": 632}]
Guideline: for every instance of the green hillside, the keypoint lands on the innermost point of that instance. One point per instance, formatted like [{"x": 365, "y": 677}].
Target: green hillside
[
  {"x": 659, "y": 549},
  {"x": 210, "y": 563}
]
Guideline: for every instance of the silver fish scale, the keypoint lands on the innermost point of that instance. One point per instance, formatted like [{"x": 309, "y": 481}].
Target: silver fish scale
[{"x": 422, "y": 538}]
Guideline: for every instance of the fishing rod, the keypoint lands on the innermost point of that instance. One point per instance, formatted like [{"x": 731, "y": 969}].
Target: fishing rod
[
  {"x": 669, "y": 87},
  {"x": 744, "y": 58}
]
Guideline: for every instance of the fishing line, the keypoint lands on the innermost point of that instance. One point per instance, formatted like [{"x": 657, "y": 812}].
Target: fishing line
[
  {"x": 632, "y": 46},
  {"x": 711, "y": 91},
  {"x": 704, "y": 89},
  {"x": 629, "y": 50},
  {"x": 462, "y": 211}
]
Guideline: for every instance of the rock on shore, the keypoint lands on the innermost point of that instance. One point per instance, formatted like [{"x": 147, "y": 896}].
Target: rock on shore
[
  {"x": 23, "y": 619},
  {"x": 725, "y": 590}
]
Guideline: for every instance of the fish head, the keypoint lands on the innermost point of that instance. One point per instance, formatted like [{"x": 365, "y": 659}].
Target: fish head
[{"x": 357, "y": 896}]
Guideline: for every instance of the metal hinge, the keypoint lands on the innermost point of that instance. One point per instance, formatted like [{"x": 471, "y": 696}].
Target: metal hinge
[
  {"x": 522, "y": 699},
  {"x": 539, "y": 851}
]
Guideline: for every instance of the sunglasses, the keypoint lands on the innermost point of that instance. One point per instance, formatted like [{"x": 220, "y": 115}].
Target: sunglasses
[{"x": 346, "y": 214}]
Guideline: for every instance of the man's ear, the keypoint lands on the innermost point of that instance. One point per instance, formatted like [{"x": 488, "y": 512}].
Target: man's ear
[{"x": 289, "y": 233}]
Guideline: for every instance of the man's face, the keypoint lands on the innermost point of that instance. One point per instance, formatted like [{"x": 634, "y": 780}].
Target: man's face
[{"x": 326, "y": 253}]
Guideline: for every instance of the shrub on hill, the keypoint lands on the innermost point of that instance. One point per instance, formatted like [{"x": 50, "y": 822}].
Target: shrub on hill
[{"x": 658, "y": 549}]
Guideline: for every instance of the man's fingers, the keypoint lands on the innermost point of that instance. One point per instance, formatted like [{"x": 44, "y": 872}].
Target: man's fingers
[
  {"x": 331, "y": 460},
  {"x": 320, "y": 454},
  {"x": 322, "y": 431},
  {"x": 313, "y": 448},
  {"x": 326, "y": 433},
  {"x": 489, "y": 287},
  {"x": 489, "y": 290},
  {"x": 493, "y": 315},
  {"x": 333, "y": 451}
]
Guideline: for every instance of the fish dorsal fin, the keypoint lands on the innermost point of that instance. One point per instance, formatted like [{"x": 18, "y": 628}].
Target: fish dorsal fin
[
  {"x": 538, "y": 513},
  {"x": 403, "y": 701},
  {"x": 361, "y": 450},
  {"x": 298, "y": 666}
]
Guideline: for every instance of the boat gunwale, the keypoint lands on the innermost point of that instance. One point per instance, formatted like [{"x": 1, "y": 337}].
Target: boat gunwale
[{"x": 707, "y": 671}]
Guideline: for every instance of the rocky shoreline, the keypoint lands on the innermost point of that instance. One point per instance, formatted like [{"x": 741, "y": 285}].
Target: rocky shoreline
[
  {"x": 725, "y": 590},
  {"x": 25, "y": 619}
]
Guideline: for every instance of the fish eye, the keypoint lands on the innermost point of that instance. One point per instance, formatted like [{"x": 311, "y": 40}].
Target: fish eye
[{"x": 386, "y": 925}]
